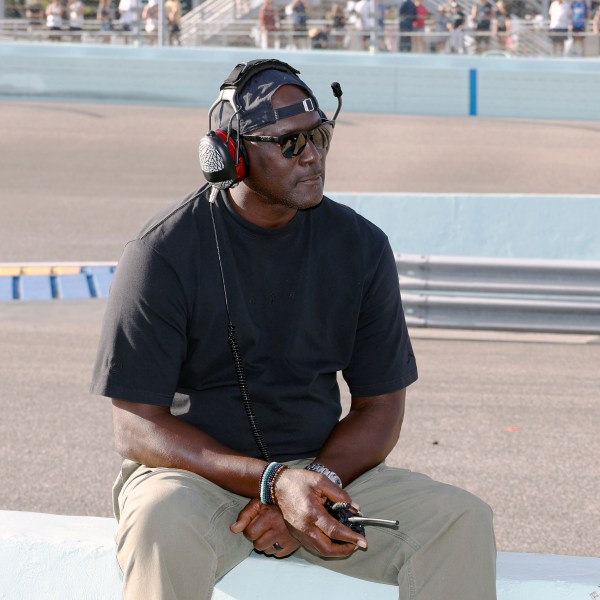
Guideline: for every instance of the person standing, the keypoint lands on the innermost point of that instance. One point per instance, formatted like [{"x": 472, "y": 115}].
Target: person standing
[
  {"x": 150, "y": 18},
  {"x": 483, "y": 14},
  {"x": 75, "y": 10},
  {"x": 363, "y": 10},
  {"x": 456, "y": 27},
  {"x": 173, "y": 11},
  {"x": 338, "y": 25},
  {"x": 105, "y": 15},
  {"x": 54, "y": 19},
  {"x": 267, "y": 23},
  {"x": 407, "y": 14},
  {"x": 560, "y": 22},
  {"x": 128, "y": 16},
  {"x": 34, "y": 12},
  {"x": 418, "y": 40},
  {"x": 296, "y": 9},
  {"x": 442, "y": 22},
  {"x": 502, "y": 25},
  {"x": 579, "y": 17}
]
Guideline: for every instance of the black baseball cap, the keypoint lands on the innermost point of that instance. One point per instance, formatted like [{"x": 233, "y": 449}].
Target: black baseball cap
[{"x": 250, "y": 86}]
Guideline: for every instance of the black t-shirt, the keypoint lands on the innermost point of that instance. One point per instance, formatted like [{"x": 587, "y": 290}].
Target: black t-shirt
[{"x": 317, "y": 296}]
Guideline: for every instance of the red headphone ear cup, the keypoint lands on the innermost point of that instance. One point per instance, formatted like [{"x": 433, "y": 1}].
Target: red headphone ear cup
[
  {"x": 217, "y": 153},
  {"x": 236, "y": 151}
]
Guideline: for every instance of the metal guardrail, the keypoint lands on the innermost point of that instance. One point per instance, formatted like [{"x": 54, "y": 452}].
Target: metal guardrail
[
  {"x": 437, "y": 291},
  {"x": 508, "y": 294}
]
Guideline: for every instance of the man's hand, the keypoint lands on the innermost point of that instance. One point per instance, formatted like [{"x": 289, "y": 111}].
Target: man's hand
[
  {"x": 301, "y": 496},
  {"x": 263, "y": 525}
]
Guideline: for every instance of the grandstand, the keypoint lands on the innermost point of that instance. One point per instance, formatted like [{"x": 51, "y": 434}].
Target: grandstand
[{"x": 235, "y": 23}]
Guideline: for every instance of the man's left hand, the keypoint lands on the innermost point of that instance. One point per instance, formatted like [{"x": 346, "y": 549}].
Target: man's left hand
[{"x": 263, "y": 525}]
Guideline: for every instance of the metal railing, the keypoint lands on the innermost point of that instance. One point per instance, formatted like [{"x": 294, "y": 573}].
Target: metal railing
[
  {"x": 508, "y": 294},
  {"x": 528, "y": 38},
  {"x": 437, "y": 291},
  {"x": 92, "y": 33},
  {"x": 213, "y": 18}
]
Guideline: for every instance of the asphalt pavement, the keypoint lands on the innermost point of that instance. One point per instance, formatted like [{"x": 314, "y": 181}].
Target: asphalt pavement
[{"x": 512, "y": 417}]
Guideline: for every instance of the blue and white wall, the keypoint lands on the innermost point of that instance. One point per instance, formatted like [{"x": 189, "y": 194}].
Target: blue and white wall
[
  {"x": 553, "y": 88},
  {"x": 486, "y": 225}
]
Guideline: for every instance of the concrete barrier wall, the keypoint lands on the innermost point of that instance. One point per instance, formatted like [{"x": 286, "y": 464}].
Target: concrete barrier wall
[
  {"x": 485, "y": 225},
  {"x": 56, "y": 557},
  {"x": 551, "y": 88}
]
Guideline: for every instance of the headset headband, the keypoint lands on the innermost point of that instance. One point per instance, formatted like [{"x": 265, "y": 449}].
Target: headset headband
[{"x": 243, "y": 71}]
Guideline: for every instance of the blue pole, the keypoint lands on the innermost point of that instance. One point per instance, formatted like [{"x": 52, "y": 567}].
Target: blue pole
[{"x": 473, "y": 92}]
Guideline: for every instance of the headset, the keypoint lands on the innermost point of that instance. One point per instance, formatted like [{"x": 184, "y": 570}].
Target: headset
[{"x": 223, "y": 158}]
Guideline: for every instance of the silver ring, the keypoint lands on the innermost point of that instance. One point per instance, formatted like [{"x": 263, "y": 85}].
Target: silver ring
[{"x": 277, "y": 547}]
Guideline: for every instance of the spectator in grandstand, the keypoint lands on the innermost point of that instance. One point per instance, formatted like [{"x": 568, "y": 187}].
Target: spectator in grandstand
[
  {"x": 501, "y": 25},
  {"x": 296, "y": 9},
  {"x": 319, "y": 37},
  {"x": 54, "y": 19},
  {"x": 579, "y": 17},
  {"x": 337, "y": 16},
  {"x": 363, "y": 10},
  {"x": 34, "y": 13},
  {"x": 150, "y": 18},
  {"x": 75, "y": 14},
  {"x": 418, "y": 40},
  {"x": 456, "y": 27},
  {"x": 105, "y": 15},
  {"x": 560, "y": 21},
  {"x": 596, "y": 22},
  {"x": 518, "y": 9},
  {"x": 441, "y": 27},
  {"x": 482, "y": 14},
  {"x": 128, "y": 15},
  {"x": 381, "y": 12},
  {"x": 268, "y": 25},
  {"x": 407, "y": 13},
  {"x": 173, "y": 11}
]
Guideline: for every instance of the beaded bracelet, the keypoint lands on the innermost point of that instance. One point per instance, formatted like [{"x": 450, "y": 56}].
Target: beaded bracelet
[{"x": 267, "y": 481}]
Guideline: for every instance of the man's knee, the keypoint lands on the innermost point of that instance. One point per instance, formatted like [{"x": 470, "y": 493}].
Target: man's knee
[
  {"x": 172, "y": 514},
  {"x": 154, "y": 513},
  {"x": 466, "y": 509}
]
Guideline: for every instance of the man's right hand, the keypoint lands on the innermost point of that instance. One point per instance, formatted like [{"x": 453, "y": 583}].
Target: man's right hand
[
  {"x": 264, "y": 526},
  {"x": 301, "y": 495}
]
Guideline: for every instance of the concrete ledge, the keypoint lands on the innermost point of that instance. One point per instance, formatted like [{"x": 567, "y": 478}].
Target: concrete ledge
[{"x": 59, "y": 557}]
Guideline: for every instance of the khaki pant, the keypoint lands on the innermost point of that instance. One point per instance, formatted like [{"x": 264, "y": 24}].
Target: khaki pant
[{"x": 174, "y": 542}]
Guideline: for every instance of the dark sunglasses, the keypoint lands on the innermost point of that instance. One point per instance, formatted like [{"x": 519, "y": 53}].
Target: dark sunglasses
[{"x": 292, "y": 144}]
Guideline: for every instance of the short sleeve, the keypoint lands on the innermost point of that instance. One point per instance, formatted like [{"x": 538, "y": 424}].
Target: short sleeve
[
  {"x": 382, "y": 359},
  {"x": 143, "y": 337}
]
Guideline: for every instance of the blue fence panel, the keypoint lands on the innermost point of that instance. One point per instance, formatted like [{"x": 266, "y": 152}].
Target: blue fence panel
[
  {"x": 73, "y": 287},
  {"x": 35, "y": 287},
  {"x": 6, "y": 288},
  {"x": 99, "y": 280}
]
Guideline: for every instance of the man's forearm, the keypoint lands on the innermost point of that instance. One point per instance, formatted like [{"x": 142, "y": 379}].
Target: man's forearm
[
  {"x": 152, "y": 436},
  {"x": 365, "y": 437}
]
